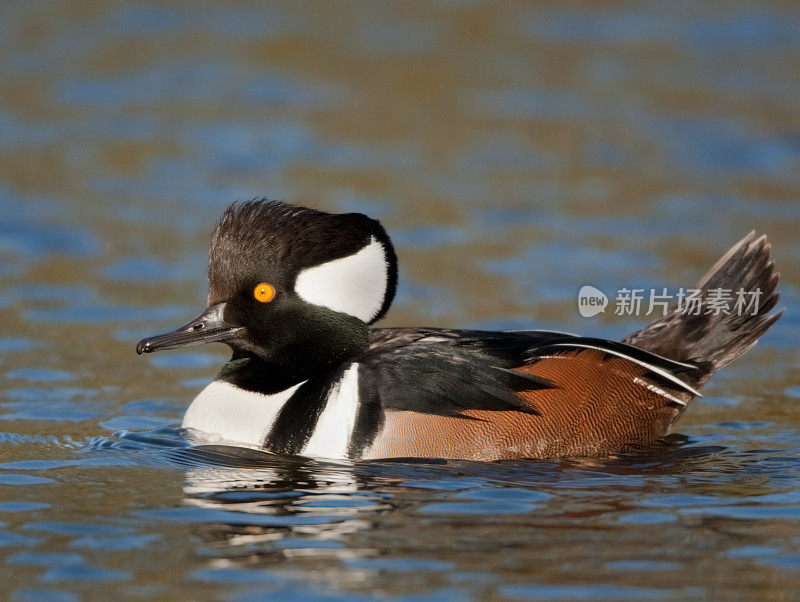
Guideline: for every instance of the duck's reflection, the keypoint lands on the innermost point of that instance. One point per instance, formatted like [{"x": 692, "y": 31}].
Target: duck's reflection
[
  {"x": 261, "y": 506},
  {"x": 367, "y": 527}
]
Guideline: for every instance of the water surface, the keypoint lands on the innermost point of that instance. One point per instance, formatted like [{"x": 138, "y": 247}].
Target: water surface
[{"x": 515, "y": 152}]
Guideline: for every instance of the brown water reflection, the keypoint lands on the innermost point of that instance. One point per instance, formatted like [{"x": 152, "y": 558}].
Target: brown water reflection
[
  {"x": 387, "y": 529},
  {"x": 515, "y": 151}
]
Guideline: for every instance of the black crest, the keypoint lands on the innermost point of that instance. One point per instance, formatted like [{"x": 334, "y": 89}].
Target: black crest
[{"x": 272, "y": 241}]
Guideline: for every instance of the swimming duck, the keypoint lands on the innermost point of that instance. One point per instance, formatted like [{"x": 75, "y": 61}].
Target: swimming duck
[{"x": 294, "y": 293}]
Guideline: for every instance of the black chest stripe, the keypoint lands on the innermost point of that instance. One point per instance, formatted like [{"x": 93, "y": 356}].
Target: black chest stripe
[
  {"x": 298, "y": 418},
  {"x": 370, "y": 415}
]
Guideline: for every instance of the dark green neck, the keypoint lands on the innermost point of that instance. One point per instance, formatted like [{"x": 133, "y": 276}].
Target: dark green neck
[{"x": 300, "y": 354}]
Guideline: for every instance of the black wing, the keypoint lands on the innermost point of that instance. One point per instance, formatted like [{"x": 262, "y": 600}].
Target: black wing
[
  {"x": 439, "y": 371},
  {"x": 445, "y": 372}
]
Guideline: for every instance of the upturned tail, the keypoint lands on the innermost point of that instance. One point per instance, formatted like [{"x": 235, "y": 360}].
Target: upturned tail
[{"x": 701, "y": 332}]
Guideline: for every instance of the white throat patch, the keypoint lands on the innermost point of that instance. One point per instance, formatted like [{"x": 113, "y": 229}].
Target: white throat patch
[
  {"x": 223, "y": 412},
  {"x": 355, "y": 285}
]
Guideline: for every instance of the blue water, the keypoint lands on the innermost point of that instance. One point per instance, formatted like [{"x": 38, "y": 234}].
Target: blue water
[{"x": 515, "y": 152}]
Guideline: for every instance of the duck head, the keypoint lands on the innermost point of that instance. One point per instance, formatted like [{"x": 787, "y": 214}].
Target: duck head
[{"x": 291, "y": 286}]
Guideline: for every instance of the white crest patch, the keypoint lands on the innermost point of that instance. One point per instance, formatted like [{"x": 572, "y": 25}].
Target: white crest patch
[
  {"x": 332, "y": 432},
  {"x": 355, "y": 285},
  {"x": 224, "y": 412}
]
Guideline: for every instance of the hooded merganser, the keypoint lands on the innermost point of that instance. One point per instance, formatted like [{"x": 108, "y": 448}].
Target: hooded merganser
[{"x": 294, "y": 292}]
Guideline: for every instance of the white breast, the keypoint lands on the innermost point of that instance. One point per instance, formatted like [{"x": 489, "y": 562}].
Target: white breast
[
  {"x": 331, "y": 436},
  {"x": 224, "y": 412}
]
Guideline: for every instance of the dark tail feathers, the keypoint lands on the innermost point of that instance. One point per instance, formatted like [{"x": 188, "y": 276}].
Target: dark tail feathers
[{"x": 708, "y": 340}]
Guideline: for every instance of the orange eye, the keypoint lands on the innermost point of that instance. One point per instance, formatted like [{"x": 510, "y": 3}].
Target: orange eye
[{"x": 264, "y": 293}]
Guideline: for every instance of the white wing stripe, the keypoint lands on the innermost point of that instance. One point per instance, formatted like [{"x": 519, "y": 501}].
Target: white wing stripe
[
  {"x": 650, "y": 367},
  {"x": 662, "y": 392}
]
